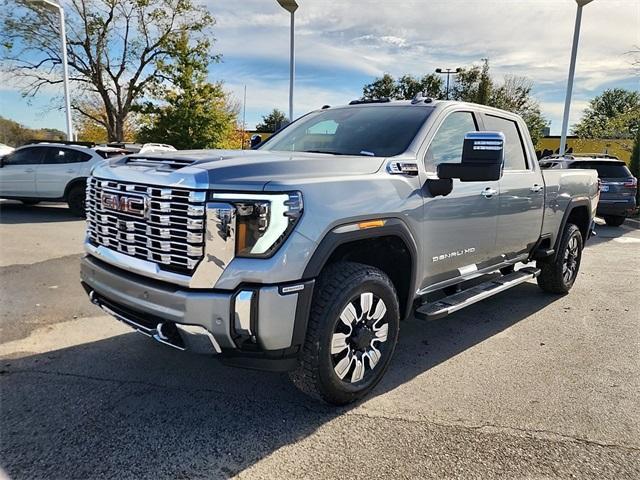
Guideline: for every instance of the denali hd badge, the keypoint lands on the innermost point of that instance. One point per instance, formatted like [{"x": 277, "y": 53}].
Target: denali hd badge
[
  {"x": 131, "y": 205},
  {"x": 457, "y": 253}
]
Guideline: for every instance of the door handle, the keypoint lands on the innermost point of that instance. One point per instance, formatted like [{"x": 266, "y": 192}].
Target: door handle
[
  {"x": 488, "y": 192},
  {"x": 536, "y": 188},
  {"x": 29, "y": 170},
  {"x": 71, "y": 170}
]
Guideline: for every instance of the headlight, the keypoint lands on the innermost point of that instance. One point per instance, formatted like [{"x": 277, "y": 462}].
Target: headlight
[{"x": 263, "y": 221}]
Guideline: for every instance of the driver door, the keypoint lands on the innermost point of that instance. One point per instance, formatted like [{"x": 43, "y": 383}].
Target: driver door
[{"x": 459, "y": 230}]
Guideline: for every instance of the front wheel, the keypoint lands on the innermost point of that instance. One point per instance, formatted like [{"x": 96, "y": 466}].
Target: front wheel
[
  {"x": 559, "y": 274},
  {"x": 614, "y": 220},
  {"x": 351, "y": 335},
  {"x": 76, "y": 199}
]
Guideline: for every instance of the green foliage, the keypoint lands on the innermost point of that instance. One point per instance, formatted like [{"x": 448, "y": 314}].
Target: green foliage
[
  {"x": 405, "y": 88},
  {"x": 613, "y": 114},
  {"x": 634, "y": 165},
  {"x": 192, "y": 112},
  {"x": 116, "y": 49},
  {"x": 14, "y": 134},
  {"x": 273, "y": 121},
  {"x": 473, "y": 84}
]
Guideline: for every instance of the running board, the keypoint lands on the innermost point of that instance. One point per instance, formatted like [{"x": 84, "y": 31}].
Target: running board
[{"x": 460, "y": 300}]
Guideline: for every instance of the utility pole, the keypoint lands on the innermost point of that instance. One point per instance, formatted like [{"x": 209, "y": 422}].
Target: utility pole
[
  {"x": 65, "y": 66},
  {"x": 572, "y": 71},
  {"x": 448, "y": 72},
  {"x": 291, "y": 6},
  {"x": 244, "y": 115}
]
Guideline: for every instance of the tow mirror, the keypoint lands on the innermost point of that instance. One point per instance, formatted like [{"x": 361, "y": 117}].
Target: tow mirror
[
  {"x": 482, "y": 158},
  {"x": 255, "y": 140}
]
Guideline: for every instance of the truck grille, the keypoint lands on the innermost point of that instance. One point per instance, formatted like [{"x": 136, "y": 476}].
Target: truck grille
[{"x": 162, "y": 225}]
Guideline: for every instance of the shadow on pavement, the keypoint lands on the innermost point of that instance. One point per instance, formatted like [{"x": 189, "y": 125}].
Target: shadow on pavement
[
  {"x": 12, "y": 213},
  {"x": 126, "y": 407}
]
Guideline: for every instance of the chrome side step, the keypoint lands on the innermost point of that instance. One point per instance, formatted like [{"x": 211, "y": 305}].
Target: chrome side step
[{"x": 460, "y": 300}]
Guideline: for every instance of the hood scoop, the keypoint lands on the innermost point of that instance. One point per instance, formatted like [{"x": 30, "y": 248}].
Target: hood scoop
[{"x": 159, "y": 163}]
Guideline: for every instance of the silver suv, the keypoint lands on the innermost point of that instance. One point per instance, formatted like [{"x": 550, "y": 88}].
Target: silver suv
[{"x": 305, "y": 254}]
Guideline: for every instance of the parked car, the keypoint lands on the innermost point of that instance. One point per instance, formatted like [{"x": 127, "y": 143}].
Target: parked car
[
  {"x": 5, "y": 149},
  {"x": 52, "y": 171},
  {"x": 618, "y": 187},
  {"x": 305, "y": 254},
  {"x": 141, "y": 147}
]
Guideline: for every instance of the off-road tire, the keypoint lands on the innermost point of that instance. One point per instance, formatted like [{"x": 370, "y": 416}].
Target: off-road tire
[
  {"x": 76, "y": 199},
  {"x": 552, "y": 278},
  {"x": 336, "y": 287},
  {"x": 614, "y": 220}
]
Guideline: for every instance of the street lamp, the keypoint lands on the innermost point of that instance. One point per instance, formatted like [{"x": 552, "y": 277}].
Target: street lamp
[
  {"x": 572, "y": 71},
  {"x": 65, "y": 67},
  {"x": 448, "y": 72},
  {"x": 290, "y": 6}
]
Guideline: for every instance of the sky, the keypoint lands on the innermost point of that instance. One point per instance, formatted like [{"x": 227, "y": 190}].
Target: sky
[{"x": 343, "y": 44}]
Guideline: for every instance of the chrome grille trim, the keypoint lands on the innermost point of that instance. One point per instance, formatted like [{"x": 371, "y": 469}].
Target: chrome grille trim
[{"x": 171, "y": 236}]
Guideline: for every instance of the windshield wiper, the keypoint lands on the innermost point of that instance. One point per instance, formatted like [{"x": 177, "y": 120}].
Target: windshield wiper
[{"x": 326, "y": 151}]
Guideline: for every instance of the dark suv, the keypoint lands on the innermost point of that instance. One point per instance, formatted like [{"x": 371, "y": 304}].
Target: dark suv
[{"x": 618, "y": 186}]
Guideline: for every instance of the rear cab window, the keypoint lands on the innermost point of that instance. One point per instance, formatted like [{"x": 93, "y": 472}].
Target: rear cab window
[{"x": 514, "y": 154}]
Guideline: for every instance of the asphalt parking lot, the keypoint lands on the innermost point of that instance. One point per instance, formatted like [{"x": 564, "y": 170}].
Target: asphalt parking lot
[{"x": 523, "y": 385}]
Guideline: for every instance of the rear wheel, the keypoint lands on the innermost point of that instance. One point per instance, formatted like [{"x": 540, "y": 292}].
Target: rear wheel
[
  {"x": 352, "y": 333},
  {"x": 559, "y": 274},
  {"x": 614, "y": 220},
  {"x": 76, "y": 198}
]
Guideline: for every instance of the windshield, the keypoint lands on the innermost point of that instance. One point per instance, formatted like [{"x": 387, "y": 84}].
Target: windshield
[{"x": 377, "y": 131}]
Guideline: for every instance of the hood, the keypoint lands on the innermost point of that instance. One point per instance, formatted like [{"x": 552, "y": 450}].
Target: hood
[{"x": 242, "y": 169}]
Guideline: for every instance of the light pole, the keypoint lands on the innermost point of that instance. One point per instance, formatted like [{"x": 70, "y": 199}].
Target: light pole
[
  {"x": 448, "y": 72},
  {"x": 65, "y": 67},
  {"x": 290, "y": 6},
  {"x": 572, "y": 71}
]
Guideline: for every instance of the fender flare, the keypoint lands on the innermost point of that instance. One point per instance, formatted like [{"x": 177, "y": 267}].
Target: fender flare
[
  {"x": 393, "y": 227},
  {"x": 572, "y": 205}
]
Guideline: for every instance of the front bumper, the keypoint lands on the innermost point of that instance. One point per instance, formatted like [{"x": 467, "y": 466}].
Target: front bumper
[{"x": 256, "y": 326}]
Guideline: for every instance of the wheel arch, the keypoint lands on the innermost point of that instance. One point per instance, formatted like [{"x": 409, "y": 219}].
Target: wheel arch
[
  {"x": 578, "y": 212},
  {"x": 364, "y": 246},
  {"x": 80, "y": 181}
]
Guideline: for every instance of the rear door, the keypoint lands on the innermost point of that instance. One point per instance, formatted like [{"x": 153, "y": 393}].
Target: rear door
[
  {"x": 521, "y": 190},
  {"x": 459, "y": 230},
  {"x": 18, "y": 172},
  {"x": 59, "y": 166}
]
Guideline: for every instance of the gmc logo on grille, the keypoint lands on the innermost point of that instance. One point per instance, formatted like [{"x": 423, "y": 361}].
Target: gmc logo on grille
[{"x": 137, "y": 206}]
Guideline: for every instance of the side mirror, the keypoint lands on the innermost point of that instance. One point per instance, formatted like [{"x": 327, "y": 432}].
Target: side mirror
[
  {"x": 255, "y": 140},
  {"x": 482, "y": 158}
]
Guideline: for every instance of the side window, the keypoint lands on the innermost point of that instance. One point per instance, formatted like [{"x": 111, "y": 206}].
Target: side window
[
  {"x": 24, "y": 156},
  {"x": 446, "y": 145},
  {"x": 514, "y": 157},
  {"x": 64, "y": 155}
]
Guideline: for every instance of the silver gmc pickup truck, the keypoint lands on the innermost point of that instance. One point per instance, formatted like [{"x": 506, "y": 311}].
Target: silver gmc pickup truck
[{"x": 305, "y": 253}]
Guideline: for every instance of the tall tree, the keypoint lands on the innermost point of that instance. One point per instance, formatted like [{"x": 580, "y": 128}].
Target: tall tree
[
  {"x": 404, "y": 88},
  {"x": 634, "y": 165},
  {"x": 383, "y": 87},
  {"x": 473, "y": 84},
  {"x": 115, "y": 49},
  {"x": 613, "y": 114},
  {"x": 272, "y": 122},
  {"x": 192, "y": 112}
]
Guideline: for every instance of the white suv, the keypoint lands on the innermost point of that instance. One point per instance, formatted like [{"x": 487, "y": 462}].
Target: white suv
[{"x": 49, "y": 171}]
